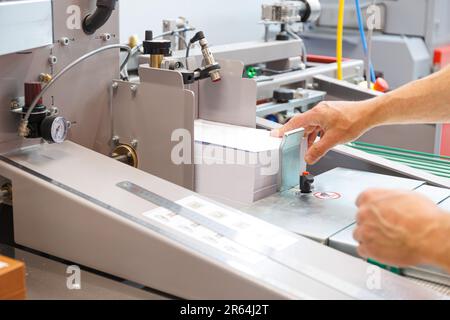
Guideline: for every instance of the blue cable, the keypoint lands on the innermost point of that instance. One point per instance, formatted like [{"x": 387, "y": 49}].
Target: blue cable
[{"x": 363, "y": 38}]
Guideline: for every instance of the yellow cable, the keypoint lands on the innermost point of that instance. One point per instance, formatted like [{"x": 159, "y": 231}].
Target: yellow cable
[{"x": 339, "y": 39}]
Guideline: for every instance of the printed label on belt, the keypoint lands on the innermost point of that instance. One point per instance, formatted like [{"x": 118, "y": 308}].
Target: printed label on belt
[
  {"x": 202, "y": 234},
  {"x": 247, "y": 226}
]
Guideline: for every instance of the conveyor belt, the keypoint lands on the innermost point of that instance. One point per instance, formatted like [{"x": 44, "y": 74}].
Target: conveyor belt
[
  {"x": 431, "y": 285},
  {"x": 431, "y": 163}
]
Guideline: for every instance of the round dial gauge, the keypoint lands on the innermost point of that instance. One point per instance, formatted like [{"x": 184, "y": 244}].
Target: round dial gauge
[{"x": 54, "y": 129}]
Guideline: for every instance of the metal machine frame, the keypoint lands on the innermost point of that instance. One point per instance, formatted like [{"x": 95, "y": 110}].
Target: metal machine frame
[{"x": 75, "y": 202}]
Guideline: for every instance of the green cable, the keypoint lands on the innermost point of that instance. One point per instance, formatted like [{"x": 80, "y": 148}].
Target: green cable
[
  {"x": 424, "y": 164},
  {"x": 434, "y": 164},
  {"x": 406, "y": 156},
  {"x": 385, "y": 267},
  {"x": 399, "y": 150}
]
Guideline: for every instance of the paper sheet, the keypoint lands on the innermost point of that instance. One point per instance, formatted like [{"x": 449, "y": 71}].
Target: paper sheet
[{"x": 241, "y": 138}]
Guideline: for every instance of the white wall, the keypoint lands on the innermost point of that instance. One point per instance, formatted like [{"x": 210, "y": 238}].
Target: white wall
[{"x": 222, "y": 21}]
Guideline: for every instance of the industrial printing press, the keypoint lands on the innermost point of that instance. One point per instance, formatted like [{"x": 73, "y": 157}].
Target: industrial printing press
[{"x": 156, "y": 166}]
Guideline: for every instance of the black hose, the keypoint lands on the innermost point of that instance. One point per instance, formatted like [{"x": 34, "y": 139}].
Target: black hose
[{"x": 101, "y": 15}]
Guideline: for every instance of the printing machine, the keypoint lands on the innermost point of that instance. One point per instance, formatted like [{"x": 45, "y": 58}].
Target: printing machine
[{"x": 91, "y": 179}]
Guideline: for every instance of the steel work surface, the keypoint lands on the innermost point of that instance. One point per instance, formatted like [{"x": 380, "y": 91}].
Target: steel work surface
[
  {"x": 445, "y": 205},
  {"x": 435, "y": 194},
  {"x": 320, "y": 219}
]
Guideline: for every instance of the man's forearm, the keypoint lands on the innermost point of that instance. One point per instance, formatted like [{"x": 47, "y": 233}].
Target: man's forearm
[{"x": 423, "y": 101}]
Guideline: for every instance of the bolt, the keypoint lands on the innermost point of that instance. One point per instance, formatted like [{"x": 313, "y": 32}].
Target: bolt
[
  {"x": 116, "y": 140},
  {"x": 106, "y": 37},
  {"x": 53, "y": 60},
  {"x": 64, "y": 41},
  {"x": 115, "y": 85},
  {"x": 14, "y": 104},
  {"x": 54, "y": 110},
  {"x": 134, "y": 88},
  {"x": 134, "y": 143}
]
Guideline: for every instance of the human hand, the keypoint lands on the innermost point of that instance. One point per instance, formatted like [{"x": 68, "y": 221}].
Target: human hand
[
  {"x": 336, "y": 122},
  {"x": 400, "y": 228}
]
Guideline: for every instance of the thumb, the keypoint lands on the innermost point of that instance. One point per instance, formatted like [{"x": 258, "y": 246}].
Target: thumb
[
  {"x": 299, "y": 121},
  {"x": 319, "y": 149}
]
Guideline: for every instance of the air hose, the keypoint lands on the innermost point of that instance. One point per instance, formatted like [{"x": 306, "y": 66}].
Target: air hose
[{"x": 99, "y": 17}]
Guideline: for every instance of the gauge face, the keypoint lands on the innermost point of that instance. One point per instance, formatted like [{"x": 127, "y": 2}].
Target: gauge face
[{"x": 59, "y": 130}]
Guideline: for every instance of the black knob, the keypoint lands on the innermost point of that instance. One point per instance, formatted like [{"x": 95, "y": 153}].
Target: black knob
[
  {"x": 155, "y": 47},
  {"x": 306, "y": 182},
  {"x": 282, "y": 36},
  {"x": 149, "y": 35},
  {"x": 283, "y": 95}
]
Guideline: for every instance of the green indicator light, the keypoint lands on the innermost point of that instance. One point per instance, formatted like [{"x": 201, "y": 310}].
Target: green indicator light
[{"x": 251, "y": 72}]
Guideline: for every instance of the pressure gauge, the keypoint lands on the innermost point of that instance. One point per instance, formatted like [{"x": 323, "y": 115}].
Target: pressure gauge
[{"x": 54, "y": 129}]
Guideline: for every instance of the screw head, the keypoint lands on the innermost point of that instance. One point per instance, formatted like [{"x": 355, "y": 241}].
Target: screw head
[
  {"x": 54, "y": 110},
  {"x": 134, "y": 143},
  {"x": 14, "y": 104},
  {"x": 53, "y": 60},
  {"x": 116, "y": 140},
  {"x": 106, "y": 37},
  {"x": 64, "y": 41}
]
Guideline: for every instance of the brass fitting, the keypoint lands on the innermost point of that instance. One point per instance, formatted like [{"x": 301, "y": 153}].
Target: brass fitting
[
  {"x": 23, "y": 129},
  {"x": 45, "y": 77},
  {"x": 156, "y": 60}
]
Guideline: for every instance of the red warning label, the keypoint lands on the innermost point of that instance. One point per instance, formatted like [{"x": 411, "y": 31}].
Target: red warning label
[{"x": 327, "y": 195}]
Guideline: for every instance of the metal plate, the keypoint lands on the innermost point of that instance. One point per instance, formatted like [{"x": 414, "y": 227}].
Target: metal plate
[
  {"x": 437, "y": 195},
  {"x": 445, "y": 205},
  {"x": 319, "y": 219},
  {"x": 25, "y": 25},
  {"x": 344, "y": 242}
]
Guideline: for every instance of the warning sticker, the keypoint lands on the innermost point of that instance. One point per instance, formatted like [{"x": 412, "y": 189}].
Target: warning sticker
[{"x": 327, "y": 195}]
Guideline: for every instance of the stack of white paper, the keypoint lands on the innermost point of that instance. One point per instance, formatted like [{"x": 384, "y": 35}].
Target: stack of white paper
[{"x": 235, "y": 165}]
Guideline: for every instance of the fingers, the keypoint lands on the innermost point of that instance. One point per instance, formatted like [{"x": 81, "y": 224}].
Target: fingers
[
  {"x": 363, "y": 215},
  {"x": 312, "y": 135},
  {"x": 362, "y": 252},
  {"x": 299, "y": 121},
  {"x": 320, "y": 148},
  {"x": 373, "y": 195}
]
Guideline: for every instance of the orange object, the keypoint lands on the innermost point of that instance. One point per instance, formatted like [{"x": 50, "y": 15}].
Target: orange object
[
  {"x": 323, "y": 59},
  {"x": 306, "y": 173},
  {"x": 442, "y": 56},
  {"x": 12, "y": 279},
  {"x": 441, "y": 60},
  {"x": 445, "y": 141},
  {"x": 381, "y": 85}
]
